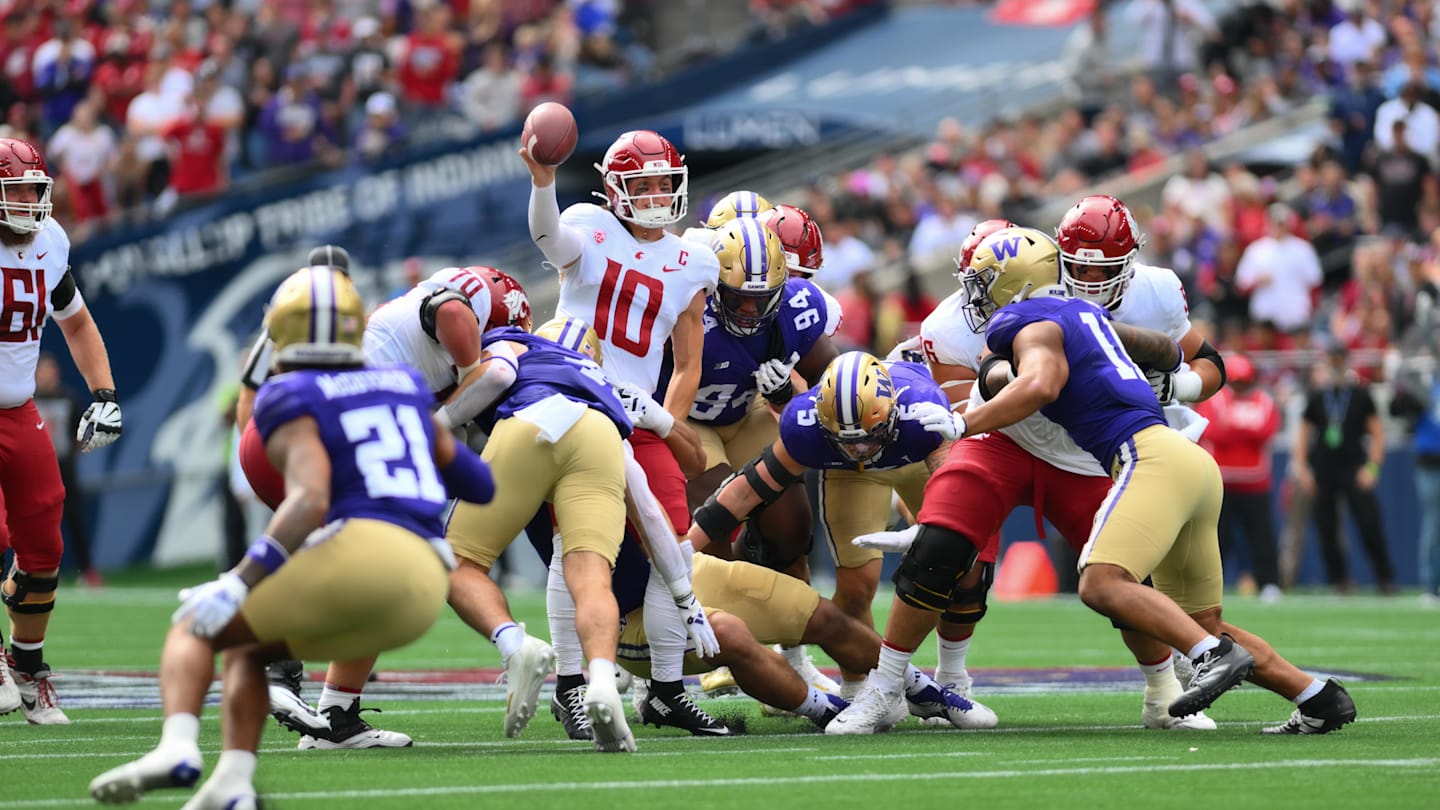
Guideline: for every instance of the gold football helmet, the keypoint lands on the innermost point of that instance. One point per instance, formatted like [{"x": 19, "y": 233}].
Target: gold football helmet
[
  {"x": 752, "y": 276},
  {"x": 736, "y": 205},
  {"x": 316, "y": 318},
  {"x": 1010, "y": 265},
  {"x": 572, "y": 333},
  {"x": 856, "y": 407}
]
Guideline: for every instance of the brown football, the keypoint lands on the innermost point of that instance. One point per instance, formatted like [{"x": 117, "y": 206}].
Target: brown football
[{"x": 550, "y": 133}]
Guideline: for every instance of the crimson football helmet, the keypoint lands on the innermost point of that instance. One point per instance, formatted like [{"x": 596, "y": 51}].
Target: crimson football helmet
[
  {"x": 509, "y": 305},
  {"x": 800, "y": 236},
  {"x": 977, "y": 235},
  {"x": 1099, "y": 232},
  {"x": 642, "y": 153},
  {"x": 21, "y": 165}
]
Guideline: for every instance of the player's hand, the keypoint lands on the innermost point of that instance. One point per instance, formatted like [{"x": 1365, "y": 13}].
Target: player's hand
[
  {"x": 100, "y": 424},
  {"x": 644, "y": 411},
  {"x": 939, "y": 419},
  {"x": 1163, "y": 384},
  {"x": 540, "y": 174},
  {"x": 1173, "y": 386},
  {"x": 893, "y": 542},
  {"x": 773, "y": 379},
  {"x": 211, "y": 606},
  {"x": 696, "y": 626}
]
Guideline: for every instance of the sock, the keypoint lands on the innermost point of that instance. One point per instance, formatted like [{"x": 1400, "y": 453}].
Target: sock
[
  {"x": 1308, "y": 692},
  {"x": 917, "y": 681},
  {"x": 667, "y": 688},
  {"x": 889, "y": 675},
  {"x": 180, "y": 729},
  {"x": 1205, "y": 645},
  {"x": 665, "y": 630},
  {"x": 794, "y": 656},
  {"x": 1159, "y": 674},
  {"x": 815, "y": 706},
  {"x": 602, "y": 675},
  {"x": 29, "y": 655},
  {"x": 508, "y": 637},
  {"x": 560, "y": 608},
  {"x": 235, "y": 766},
  {"x": 850, "y": 689},
  {"x": 333, "y": 695},
  {"x": 952, "y": 655},
  {"x": 564, "y": 683}
]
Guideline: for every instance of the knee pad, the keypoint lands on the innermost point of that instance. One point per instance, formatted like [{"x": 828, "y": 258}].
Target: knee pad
[
  {"x": 30, "y": 595},
  {"x": 934, "y": 562},
  {"x": 972, "y": 596}
]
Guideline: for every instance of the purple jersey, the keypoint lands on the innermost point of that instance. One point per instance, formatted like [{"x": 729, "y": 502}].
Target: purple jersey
[
  {"x": 546, "y": 369},
  {"x": 728, "y": 366},
  {"x": 809, "y": 444},
  {"x": 376, "y": 427},
  {"x": 1107, "y": 399}
]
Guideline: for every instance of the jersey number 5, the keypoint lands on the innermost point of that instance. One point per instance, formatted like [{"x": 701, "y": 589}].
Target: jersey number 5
[
  {"x": 623, "y": 305},
  {"x": 21, "y": 317}
]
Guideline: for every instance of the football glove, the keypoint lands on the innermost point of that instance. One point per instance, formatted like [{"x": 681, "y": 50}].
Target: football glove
[
  {"x": 894, "y": 542},
  {"x": 212, "y": 605},
  {"x": 1172, "y": 386},
  {"x": 939, "y": 419},
  {"x": 644, "y": 411},
  {"x": 100, "y": 424},
  {"x": 773, "y": 379},
  {"x": 699, "y": 630}
]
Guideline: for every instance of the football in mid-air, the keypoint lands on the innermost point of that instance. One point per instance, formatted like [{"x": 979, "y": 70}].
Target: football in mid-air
[{"x": 550, "y": 133}]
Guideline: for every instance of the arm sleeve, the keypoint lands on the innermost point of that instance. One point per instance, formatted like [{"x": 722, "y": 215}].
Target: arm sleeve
[
  {"x": 560, "y": 243},
  {"x": 473, "y": 398},
  {"x": 665, "y": 554}
]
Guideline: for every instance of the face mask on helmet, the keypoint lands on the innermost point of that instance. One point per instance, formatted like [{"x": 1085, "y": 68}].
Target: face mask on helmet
[
  {"x": 978, "y": 306},
  {"x": 25, "y": 186},
  {"x": 752, "y": 276},
  {"x": 856, "y": 407},
  {"x": 1010, "y": 265}
]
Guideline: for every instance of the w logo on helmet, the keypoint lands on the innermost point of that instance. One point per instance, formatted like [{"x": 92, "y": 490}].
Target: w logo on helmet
[{"x": 1006, "y": 248}]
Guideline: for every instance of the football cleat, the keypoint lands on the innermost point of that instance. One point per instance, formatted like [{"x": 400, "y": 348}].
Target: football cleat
[
  {"x": 225, "y": 794},
  {"x": 1155, "y": 713},
  {"x": 804, "y": 665},
  {"x": 958, "y": 682},
  {"x": 525, "y": 673},
  {"x": 679, "y": 711},
  {"x": 1184, "y": 668},
  {"x": 837, "y": 705},
  {"x": 569, "y": 708},
  {"x": 872, "y": 712},
  {"x": 961, "y": 712},
  {"x": 624, "y": 681},
  {"x": 1216, "y": 672},
  {"x": 1327, "y": 711},
  {"x": 37, "y": 696},
  {"x": 9, "y": 692},
  {"x": 171, "y": 767},
  {"x": 607, "y": 719},
  {"x": 347, "y": 729},
  {"x": 718, "y": 682},
  {"x": 294, "y": 713}
]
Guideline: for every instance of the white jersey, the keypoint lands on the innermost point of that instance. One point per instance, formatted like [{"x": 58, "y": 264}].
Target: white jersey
[
  {"x": 36, "y": 289},
  {"x": 395, "y": 333},
  {"x": 632, "y": 292}
]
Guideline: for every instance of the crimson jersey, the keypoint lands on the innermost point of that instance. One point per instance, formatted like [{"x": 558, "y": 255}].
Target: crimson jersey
[{"x": 35, "y": 285}]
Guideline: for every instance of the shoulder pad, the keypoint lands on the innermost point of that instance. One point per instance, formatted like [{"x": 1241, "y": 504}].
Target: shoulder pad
[{"x": 431, "y": 305}]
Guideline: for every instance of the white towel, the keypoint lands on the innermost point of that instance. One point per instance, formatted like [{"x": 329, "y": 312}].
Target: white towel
[
  {"x": 1184, "y": 419},
  {"x": 554, "y": 415}
]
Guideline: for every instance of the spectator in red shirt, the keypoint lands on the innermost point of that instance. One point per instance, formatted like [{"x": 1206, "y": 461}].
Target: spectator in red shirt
[
  {"x": 197, "y": 151},
  {"x": 430, "y": 61},
  {"x": 1243, "y": 421},
  {"x": 119, "y": 77}
]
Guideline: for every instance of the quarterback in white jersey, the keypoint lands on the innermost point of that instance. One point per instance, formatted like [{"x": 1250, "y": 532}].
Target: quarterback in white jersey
[{"x": 38, "y": 285}]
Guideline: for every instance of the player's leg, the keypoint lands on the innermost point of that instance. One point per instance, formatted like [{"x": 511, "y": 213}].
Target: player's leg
[
  {"x": 851, "y": 504},
  {"x": 33, "y": 506},
  {"x": 699, "y": 488}
]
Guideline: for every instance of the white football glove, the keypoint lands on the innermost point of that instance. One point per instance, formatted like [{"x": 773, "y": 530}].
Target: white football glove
[
  {"x": 699, "y": 630},
  {"x": 644, "y": 411},
  {"x": 212, "y": 605},
  {"x": 894, "y": 542},
  {"x": 1172, "y": 386},
  {"x": 100, "y": 424},
  {"x": 939, "y": 419},
  {"x": 773, "y": 376}
]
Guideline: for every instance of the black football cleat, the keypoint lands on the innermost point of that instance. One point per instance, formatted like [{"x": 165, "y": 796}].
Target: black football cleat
[
  {"x": 1327, "y": 711},
  {"x": 568, "y": 706},
  {"x": 676, "y": 709}
]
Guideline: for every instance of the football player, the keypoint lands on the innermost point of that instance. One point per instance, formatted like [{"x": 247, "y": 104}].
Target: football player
[
  {"x": 640, "y": 287},
  {"x": 373, "y": 579},
  {"x": 804, "y": 246},
  {"x": 35, "y": 254},
  {"x": 1036, "y": 460},
  {"x": 336, "y": 723},
  {"x": 1063, "y": 355},
  {"x": 760, "y": 325}
]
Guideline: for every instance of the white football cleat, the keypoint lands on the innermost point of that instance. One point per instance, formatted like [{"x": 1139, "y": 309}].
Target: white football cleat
[
  {"x": 1156, "y": 714},
  {"x": 607, "y": 718},
  {"x": 37, "y": 697},
  {"x": 345, "y": 728},
  {"x": 9, "y": 692},
  {"x": 958, "y": 682},
  {"x": 931, "y": 704},
  {"x": 172, "y": 767},
  {"x": 294, "y": 713},
  {"x": 623, "y": 679},
  {"x": 872, "y": 712},
  {"x": 224, "y": 795},
  {"x": 804, "y": 665},
  {"x": 525, "y": 673}
]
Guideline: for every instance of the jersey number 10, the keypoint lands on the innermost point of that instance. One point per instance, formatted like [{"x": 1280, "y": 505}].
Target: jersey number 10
[{"x": 623, "y": 305}]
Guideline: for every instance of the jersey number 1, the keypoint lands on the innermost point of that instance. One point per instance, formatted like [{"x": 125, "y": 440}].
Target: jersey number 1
[
  {"x": 623, "y": 305},
  {"x": 1105, "y": 336}
]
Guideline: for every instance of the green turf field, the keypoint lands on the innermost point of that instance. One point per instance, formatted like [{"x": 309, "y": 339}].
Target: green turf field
[{"x": 1070, "y": 743}]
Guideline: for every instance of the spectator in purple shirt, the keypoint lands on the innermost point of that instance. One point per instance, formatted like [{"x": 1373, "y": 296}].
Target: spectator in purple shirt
[
  {"x": 62, "y": 68},
  {"x": 294, "y": 129}
]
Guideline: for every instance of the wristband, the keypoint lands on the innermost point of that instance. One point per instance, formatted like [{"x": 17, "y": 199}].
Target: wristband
[
  {"x": 267, "y": 553},
  {"x": 668, "y": 419},
  {"x": 104, "y": 395},
  {"x": 961, "y": 425},
  {"x": 1188, "y": 386}
]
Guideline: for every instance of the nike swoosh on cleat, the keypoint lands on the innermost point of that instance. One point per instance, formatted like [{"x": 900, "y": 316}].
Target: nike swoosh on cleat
[{"x": 28, "y": 704}]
